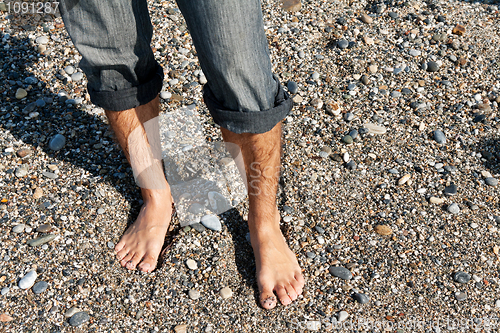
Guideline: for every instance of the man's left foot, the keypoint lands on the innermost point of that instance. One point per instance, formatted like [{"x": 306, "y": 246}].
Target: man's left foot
[{"x": 277, "y": 268}]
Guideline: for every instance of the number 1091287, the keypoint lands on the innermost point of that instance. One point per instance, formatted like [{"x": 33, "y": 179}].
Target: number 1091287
[{"x": 22, "y": 7}]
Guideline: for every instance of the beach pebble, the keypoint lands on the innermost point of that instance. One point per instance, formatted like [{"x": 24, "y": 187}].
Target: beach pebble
[
  {"x": 28, "y": 280},
  {"x": 79, "y": 318},
  {"x": 439, "y": 137},
  {"x": 191, "y": 264},
  {"x": 57, "y": 142},
  {"x": 211, "y": 222},
  {"x": 226, "y": 292},
  {"x": 71, "y": 311},
  {"x": 18, "y": 228},
  {"x": 491, "y": 181},
  {"x": 340, "y": 272},
  {"x": 454, "y": 208},
  {"x": 180, "y": 328},
  {"x": 461, "y": 277},
  {"x": 375, "y": 129},
  {"x": 361, "y": 298},
  {"x": 40, "y": 287},
  {"x": 342, "y": 315},
  {"x": 194, "y": 294}
]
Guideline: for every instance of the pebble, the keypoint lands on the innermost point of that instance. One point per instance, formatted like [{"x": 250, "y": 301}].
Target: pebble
[
  {"x": 460, "y": 296},
  {"x": 439, "y": 137},
  {"x": 40, "y": 287},
  {"x": 343, "y": 315},
  {"x": 79, "y": 318},
  {"x": 454, "y": 208},
  {"x": 194, "y": 294},
  {"x": 347, "y": 139},
  {"x": 451, "y": 190},
  {"x": 44, "y": 228},
  {"x": 71, "y": 311},
  {"x": 110, "y": 245},
  {"x": 21, "y": 93},
  {"x": 18, "y": 228},
  {"x": 365, "y": 18},
  {"x": 404, "y": 179},
  {"x": 180, "y": 328},
  {"x": 165, "y": 95},
  {"x": 375, "y": 129},
  {"x": 4, "y": 291},
  {"x": 78, "y": 76},
  {"x": 41, "y": 240},
  {"x": 342, "y": 44},
  {"x": 383, "y": 229},
  {"x": 461, "y": 277},
  {"x": 28, "y": 280},
  {"x": 361, "y": 298},
  {"x": 211, "y": 222},
  {"x": 293, "y": 87},
  {"x": 57, "y": 142},
  {"x": 491, "y": 181},
  {"x": 436, "y": 200},
  {"x": 432, "y": 66},
  {"x": 198, "y": 227},
  {"x": 42, "y": 40},
  {"x": 191, "y": 264},
  {"x": 25, "y": 152},
  {"x": 226, "y": 292},
  {"x": 340, "y": 272},
  {"x": 21, "y": 171},
  {"x": 348, "y": 116}
]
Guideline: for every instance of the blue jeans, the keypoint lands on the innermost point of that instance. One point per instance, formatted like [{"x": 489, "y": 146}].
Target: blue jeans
[{"x": 114, "y": 37}]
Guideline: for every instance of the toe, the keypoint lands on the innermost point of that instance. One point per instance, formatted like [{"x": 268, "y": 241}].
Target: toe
[
  {"x": 297, "y": 286},
  {"x": 291, "y": 292},
  {"x": 148, "y": 263},
  {"x": 122, "y": 253},
  {"x": 120, "y": 245},
  {"x": 282, "y": 295},
  {"x": 125, "y": 260},
  {"x": 132, "y": 263},
  {"x": 267, "y": 298}
]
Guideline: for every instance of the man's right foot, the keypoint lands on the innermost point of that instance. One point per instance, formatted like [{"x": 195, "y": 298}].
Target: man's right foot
[{"x": 141, "y": 244}]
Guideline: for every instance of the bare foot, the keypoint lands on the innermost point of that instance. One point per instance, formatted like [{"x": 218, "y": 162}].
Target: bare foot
[
  {"x": 277, "y": 268},
  {"x": 142, "y": 242}
]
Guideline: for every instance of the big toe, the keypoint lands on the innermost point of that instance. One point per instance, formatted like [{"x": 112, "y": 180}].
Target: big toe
[{"x": 267, "y": 298}]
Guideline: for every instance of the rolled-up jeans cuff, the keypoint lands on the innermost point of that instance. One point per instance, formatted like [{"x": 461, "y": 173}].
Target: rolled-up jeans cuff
[
  {"x": 255, "y": 122},
  {"x": 119, "y": 100}
]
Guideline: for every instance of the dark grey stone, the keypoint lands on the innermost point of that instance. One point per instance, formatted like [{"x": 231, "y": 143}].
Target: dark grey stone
[
  {"x": 340, "y": 272},
  {"x": 40, "y": 287},
  {"x": 361, "y": 298},
  {"x": 461, "y": 277},
  {"x": 79, "y": 318},
  {"x": 439, "y": 137}
]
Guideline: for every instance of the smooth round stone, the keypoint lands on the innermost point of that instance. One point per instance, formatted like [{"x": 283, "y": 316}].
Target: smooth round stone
[
  {"x": 21, "y": 93},
  {"x": 196, "y": 208},
  {"x": 41, "y": 240},
  {"x": 226, "y": 292},
  {"x": 194, "y": 294},
  {"x": 348, "y": 116},
  {"x": 293, "y": 87},
  {"x": 40, "y": 103},
  {"x": 78, "y": 76},
  {"x": 342, "y": 44},
  {"x": 165, "y": 94},
  {"x": 451, "y": 190},
  {"x": 71, "y": 312},
  {"x": 461, "y": 296},
  {"x": 4, "y": 291},
  {"x": 191, "y": 264},
  {"x": 361, "y": 298},
  {"x": 31, "y": 80},
  {"x": 375, "y": 129},
  {"x": 101, "y": 211},
  {"x": 491, "y": 181},
  {"x": 347, "y": 139},
  {"x": 342, "y": 316},
  {"x": 44, "y": 228},
  {"x": 211, "y": 222},
  {"x": 395, "y": 94},
  {"x": 198, "y": 227},
  {"x": 40, "y": 287},
  {"x": 315, "y": 76},
  {"x": 439, "y": 137},
  {"x": 69, "y": 70},
  {"x": 454, "y": 208},
  {"x": 173, "y": 82},
  {"x": 415, "y": 53},
  {"x": 393, "y": 15},
  {"x": 42, "y": 40},
  {"x": 28, "y": 280},
  {"x": 79, "y": 318},
  {"x": 461, "y": 277},
  {"x": 21, "y": 171},
  {"x": 18, "y": 228},
  {"x": 365, "y": 80},
  {"x": 340, "y": 272},
  {"x": 57, "y": 142},
  {"x": 111, "y": 245},
  {"x": 432, "y": 66},
  {"x": 287, "y": 218}
]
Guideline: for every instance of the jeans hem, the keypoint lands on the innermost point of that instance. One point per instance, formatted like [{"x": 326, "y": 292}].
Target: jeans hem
[
  {"x": 125, "y": 99},
  {"x": 256, "y": 122}
]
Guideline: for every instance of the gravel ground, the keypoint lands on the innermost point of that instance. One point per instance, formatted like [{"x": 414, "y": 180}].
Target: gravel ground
[{"x": 389, "y": 188}]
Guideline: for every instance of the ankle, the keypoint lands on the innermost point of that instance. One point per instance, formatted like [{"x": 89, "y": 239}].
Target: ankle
[{"x": 162, "y": 195}]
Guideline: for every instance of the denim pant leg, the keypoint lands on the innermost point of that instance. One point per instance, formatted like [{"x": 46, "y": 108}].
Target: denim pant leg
[
  {"x": 241, "y": 93},
  {"x": 114, "y": 37}
]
